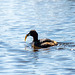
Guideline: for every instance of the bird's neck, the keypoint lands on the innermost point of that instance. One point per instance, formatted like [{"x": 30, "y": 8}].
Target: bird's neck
[{"x": 35, "y": 39}]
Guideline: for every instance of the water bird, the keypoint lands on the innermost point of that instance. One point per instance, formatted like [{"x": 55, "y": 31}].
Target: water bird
[{"x": 40, "y": 43}]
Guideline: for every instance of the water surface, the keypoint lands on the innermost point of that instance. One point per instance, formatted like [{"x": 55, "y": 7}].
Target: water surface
[{"x": 54, "y": 19}]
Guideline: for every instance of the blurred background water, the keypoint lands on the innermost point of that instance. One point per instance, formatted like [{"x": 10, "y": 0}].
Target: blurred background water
[{"x": 54, "y": 19}]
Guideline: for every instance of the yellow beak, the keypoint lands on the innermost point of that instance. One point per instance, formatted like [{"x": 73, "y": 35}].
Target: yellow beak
[{"x": 26, "y": 36}]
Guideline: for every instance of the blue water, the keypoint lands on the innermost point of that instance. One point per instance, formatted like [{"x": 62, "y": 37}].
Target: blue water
[{"x": 54, "y": 19}]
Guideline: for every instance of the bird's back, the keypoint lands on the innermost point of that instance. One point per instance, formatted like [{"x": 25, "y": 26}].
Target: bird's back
[{"x": 44, "y": 43}]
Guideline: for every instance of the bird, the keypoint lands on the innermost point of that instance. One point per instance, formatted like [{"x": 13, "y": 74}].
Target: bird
[{"x": 40, "y": 43}]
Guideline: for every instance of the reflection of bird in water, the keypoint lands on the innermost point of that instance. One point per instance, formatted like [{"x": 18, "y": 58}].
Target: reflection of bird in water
[{"x": 41, "y": 43}]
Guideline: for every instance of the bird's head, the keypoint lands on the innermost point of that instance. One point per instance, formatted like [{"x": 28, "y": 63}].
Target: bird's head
[{"x": 32, "y": 33}]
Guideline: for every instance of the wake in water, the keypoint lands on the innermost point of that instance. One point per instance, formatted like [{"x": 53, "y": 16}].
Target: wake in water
[{"x": 66, "y": 45}]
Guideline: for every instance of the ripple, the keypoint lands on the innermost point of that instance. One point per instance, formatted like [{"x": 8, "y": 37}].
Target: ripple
[{"x": 54, "y": 19}]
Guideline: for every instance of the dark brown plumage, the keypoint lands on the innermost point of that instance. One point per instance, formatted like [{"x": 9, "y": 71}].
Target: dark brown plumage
[{"x": 42, "y": 43}]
